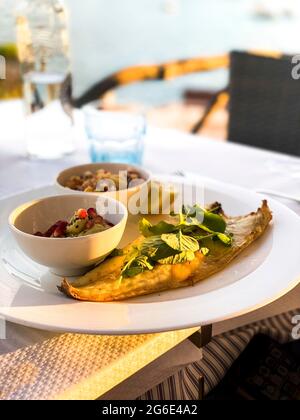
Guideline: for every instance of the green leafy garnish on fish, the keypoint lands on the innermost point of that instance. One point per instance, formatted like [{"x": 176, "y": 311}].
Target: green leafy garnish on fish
[
  {"x": 183, "y": 257},
  {"x": 180, "y": 242},
  {"x": 116, "y": 253},
  {"x": 157, "y": 249},
  {"x": 205, "y": 251},
  {"x": 136, "y": 266},
  {"x": 147, "y": 229},
  {"x": 199, "y": 217},
  {"x": 167, "y": 243}
]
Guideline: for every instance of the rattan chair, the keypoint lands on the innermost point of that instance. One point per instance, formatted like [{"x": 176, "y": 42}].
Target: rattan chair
[{"x": 264, "y": 103}]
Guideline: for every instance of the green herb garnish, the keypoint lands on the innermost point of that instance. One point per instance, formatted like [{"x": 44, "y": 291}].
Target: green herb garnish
[
  {"x": 180, "y": 242},
  {"x": 178, "y": 258},
  {"x": 205, "y": 251},
  {"x": 167, "y": 243},
  {"x": 116, "y": 253},
  {"x": 136, "y": 266},
  {"x": 147, "y": 229},
  {"x": 197, "y": 216}
]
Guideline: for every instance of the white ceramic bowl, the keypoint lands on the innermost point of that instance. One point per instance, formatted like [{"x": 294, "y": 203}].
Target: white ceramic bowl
[
  {"x": 66, "y": 256},
  {"x": 115, "y": 168}
]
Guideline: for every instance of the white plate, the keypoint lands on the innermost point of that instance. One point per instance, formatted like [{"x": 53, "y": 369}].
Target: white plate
[{"x": 266, "y": 271}]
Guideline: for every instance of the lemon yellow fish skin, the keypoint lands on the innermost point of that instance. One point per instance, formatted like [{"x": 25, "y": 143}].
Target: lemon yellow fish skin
[{"x": 102, "y": 284}]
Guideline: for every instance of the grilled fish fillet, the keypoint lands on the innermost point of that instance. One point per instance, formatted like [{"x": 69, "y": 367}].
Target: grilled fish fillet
[{"x": 102, "y": 285}]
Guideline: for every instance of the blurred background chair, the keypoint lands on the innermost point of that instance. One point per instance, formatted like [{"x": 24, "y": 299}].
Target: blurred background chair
[
  {"x": 264, "y": 103},
  {"x": 163, "y": 71},
  {"x": 264, "y": 108},
  {"x": 175, "y": 114}
]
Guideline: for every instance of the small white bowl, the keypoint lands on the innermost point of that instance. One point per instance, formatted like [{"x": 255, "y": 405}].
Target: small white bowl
[
  {"x": 67, "y": 256},
  {"x": 114, "y": 168}
]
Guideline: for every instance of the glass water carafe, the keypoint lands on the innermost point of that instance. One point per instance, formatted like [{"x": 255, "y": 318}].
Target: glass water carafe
[{"x": 43, "y": 48}]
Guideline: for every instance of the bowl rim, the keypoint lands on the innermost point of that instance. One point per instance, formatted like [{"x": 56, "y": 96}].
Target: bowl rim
[
  {"x": 18, "y": 210},
  {"x": 136, "y": 167}
]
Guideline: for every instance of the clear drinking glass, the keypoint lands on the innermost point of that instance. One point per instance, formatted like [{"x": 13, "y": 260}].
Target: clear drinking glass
[
  {"x": 115, "y": 136},
  {"x": 43, "y": 49}
]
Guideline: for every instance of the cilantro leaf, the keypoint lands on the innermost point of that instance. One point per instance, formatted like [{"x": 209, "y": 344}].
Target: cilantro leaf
[
  {"x": 156, "y": 249},
  {"x": 183, "y": 257},
  {"x": 205, "y": 251},
  {"x": 214, "y": 222},
  {"x": 116, "y": 253},
  {"x": 180, "y": 242},
  {"x": 147, "y": 229},
  {"x": 136, "y": 265},
  {"x": 197, "y": 216},
  {"x": 144, "y": 227},
  {"x": 226, "y": 239}
]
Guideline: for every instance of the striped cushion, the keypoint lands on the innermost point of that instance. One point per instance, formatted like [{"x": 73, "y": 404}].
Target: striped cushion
[{"x": 218, "y": 357}]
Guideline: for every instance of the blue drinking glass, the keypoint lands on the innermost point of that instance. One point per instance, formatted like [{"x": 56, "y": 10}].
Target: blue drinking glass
[{"x": 115, "y": 136}]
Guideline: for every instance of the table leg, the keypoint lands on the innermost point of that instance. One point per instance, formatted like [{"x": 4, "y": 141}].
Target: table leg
[{"x": 202, "y": 337}]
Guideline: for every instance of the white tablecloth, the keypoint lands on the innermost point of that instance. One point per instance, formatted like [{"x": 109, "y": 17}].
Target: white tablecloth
[{"x": 166, "y": 151}]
